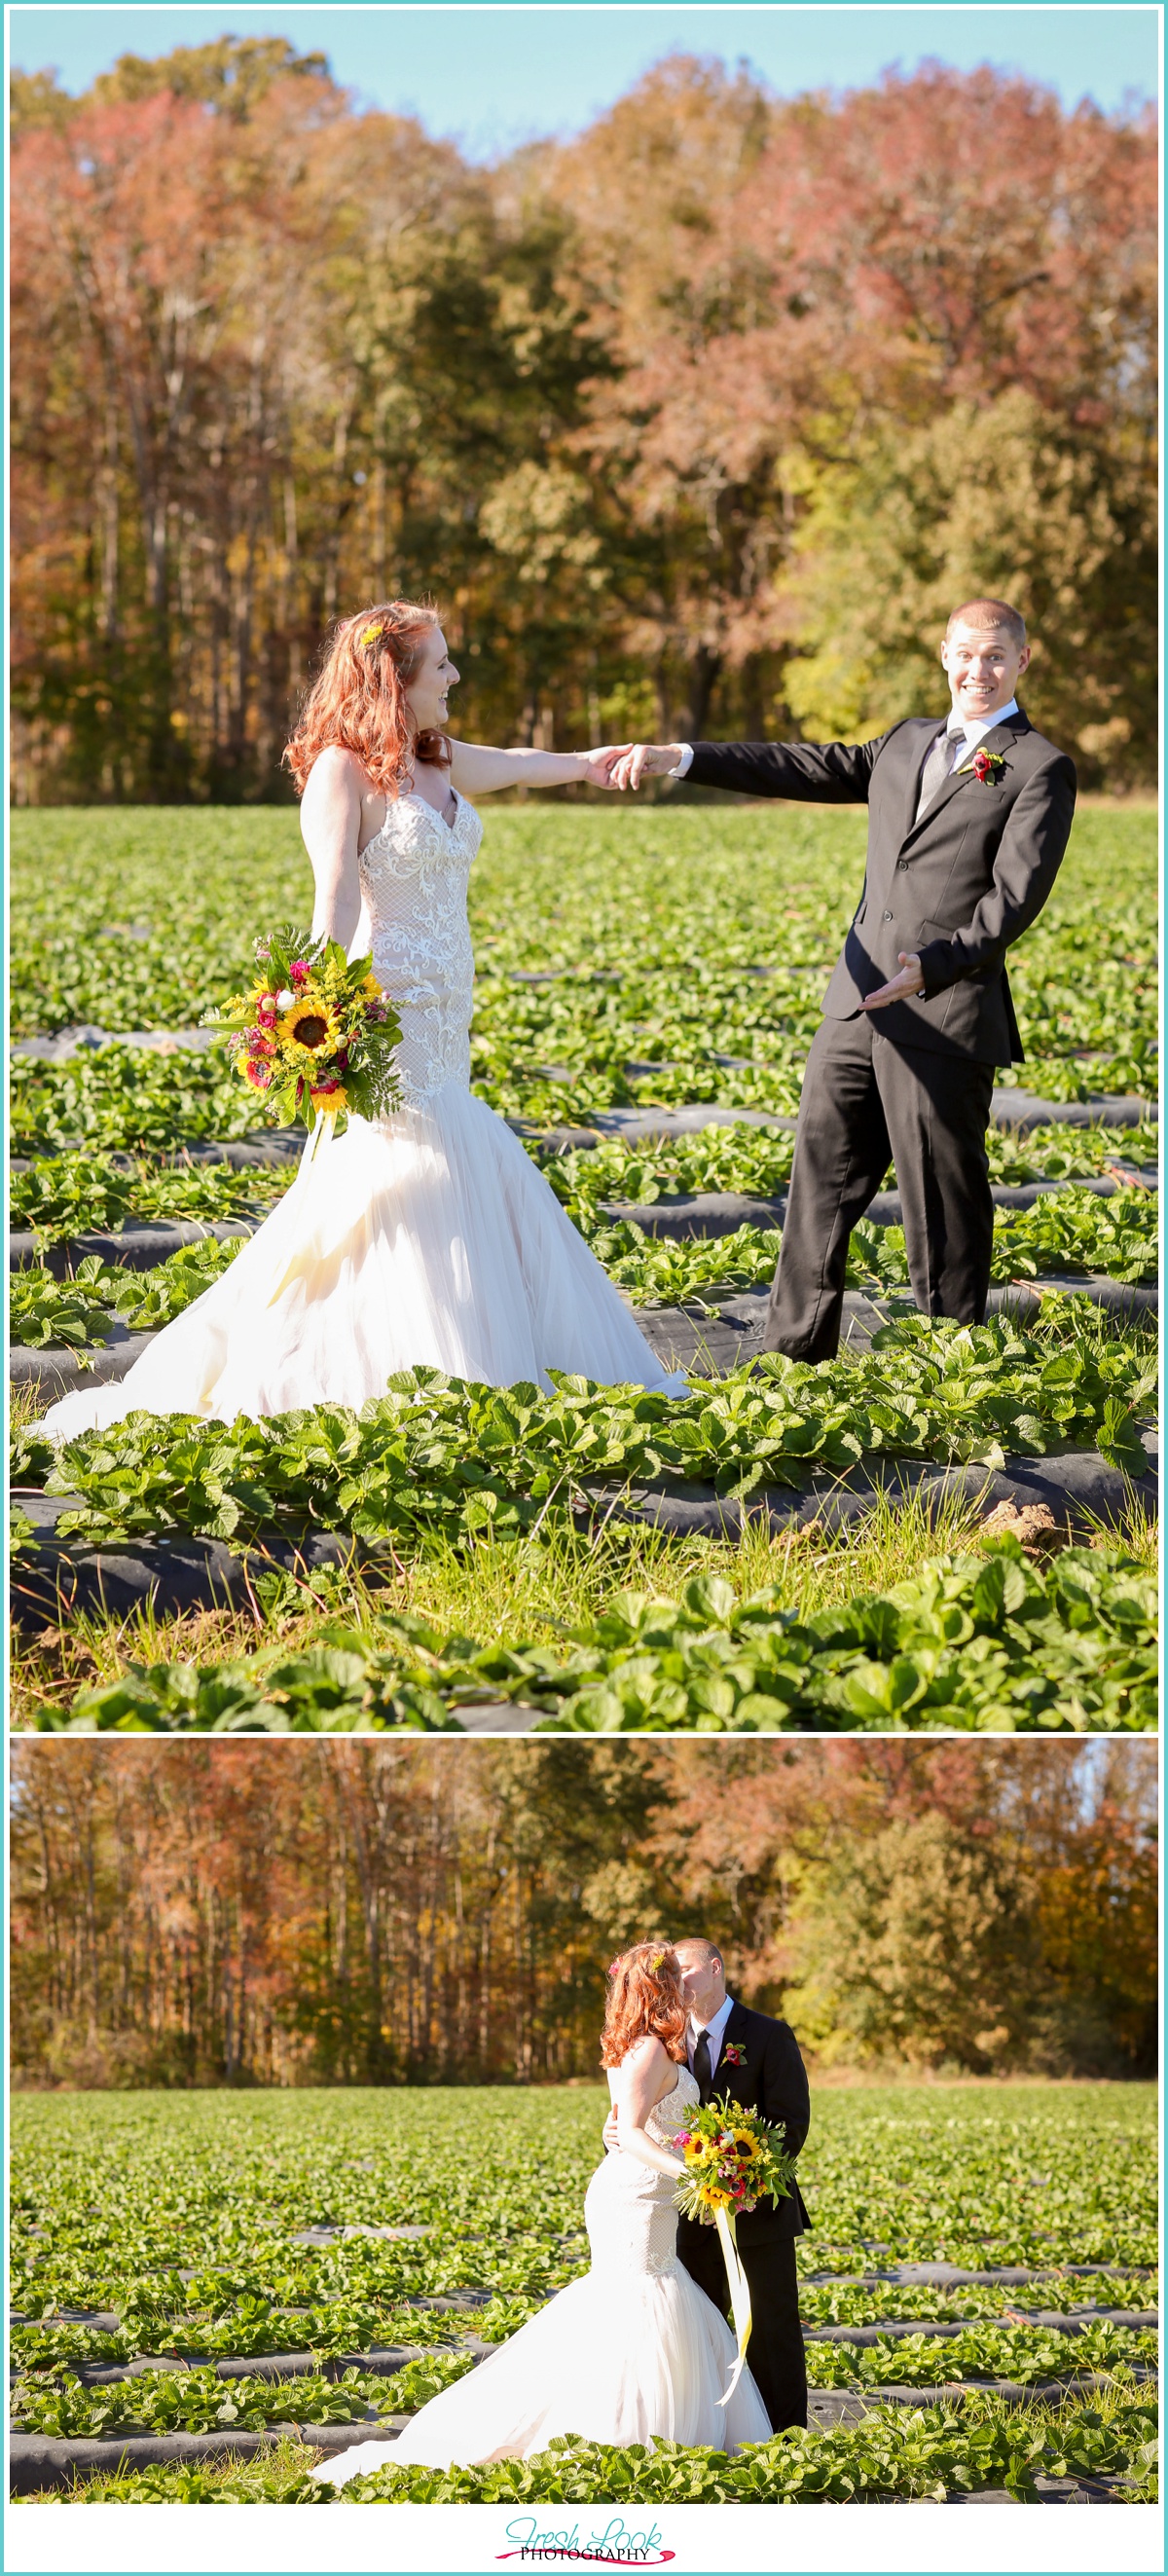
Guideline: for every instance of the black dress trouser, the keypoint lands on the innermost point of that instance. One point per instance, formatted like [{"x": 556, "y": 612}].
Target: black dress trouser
[
  {"x": 775, "y": 2352},
  {"x": 866, "y": 1102}
]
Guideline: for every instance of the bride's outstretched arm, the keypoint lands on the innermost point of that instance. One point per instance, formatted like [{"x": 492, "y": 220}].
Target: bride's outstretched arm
[
  {"x": 478, "y": 770},
  {"x": 330, "y": 821},
  {"x": 637, "y": 2087}
]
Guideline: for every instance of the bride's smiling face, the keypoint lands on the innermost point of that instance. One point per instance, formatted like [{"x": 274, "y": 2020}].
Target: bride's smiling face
[{"x": 426, "y": 695}]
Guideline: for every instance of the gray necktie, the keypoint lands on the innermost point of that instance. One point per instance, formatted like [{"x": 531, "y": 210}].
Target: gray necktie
[{"x": 943, "y": 758}]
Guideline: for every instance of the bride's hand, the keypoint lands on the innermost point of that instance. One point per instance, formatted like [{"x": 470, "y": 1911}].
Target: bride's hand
[
  {"x": 602, "y": 763},
  {"x": 609, "y": 2132}
]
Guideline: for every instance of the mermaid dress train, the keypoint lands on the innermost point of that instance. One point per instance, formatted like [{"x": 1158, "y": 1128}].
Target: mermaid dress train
[{"x": 633, "y": 2352}]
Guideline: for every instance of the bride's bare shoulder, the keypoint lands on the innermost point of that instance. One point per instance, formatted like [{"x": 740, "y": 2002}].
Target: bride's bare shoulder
[
  {"x": 337, "y": 772},
  {"x": 647, "y": 2052}
]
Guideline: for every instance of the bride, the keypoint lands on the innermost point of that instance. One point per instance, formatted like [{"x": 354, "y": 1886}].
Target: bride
[
  {"x": 635, "y": 2349},
  {"x": 426, "y": 1238}
]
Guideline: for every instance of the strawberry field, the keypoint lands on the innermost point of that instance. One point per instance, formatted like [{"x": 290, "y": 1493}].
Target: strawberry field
[
  {"x": 214, "y": 2292},
  {"x": 648, "y": 985}
]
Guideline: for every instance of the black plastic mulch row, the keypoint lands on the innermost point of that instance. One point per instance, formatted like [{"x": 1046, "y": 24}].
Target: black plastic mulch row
[
  {"x": 38, "y": 2465},
  {"x": 60, "y": 1577}
]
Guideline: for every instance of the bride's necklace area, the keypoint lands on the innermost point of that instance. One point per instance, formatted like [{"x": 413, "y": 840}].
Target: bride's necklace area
[{"x": 447, "y": 812}]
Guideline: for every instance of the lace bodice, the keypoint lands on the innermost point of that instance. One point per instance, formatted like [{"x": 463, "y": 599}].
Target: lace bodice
[
  {"x": 667, "y": 2117},
  {"x": 414, "y": 876},
  {"x": 630, "y": 2211}
]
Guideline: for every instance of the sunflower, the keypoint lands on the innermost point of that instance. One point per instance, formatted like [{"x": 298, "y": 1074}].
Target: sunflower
[
  {"x": 745, "y": 2146},
  {"x": 312, "y": 1023}
]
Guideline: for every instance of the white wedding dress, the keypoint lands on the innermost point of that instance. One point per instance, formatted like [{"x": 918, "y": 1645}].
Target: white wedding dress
[
  {"x": 632, "y": 2351},
  {"x": 424, "y": 1239}
]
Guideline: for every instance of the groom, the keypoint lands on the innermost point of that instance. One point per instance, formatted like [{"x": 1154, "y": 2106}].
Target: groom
[
  {"x": 967, "y": 825},
  {"x": 745, "y": 2057}
]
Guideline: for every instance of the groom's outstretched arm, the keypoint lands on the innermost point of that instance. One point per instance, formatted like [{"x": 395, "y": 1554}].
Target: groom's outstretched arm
[
  {"x": 818, "y": 773},
  {"x": 786, "y": 2098},
  {"x": 821, "y": 773}
]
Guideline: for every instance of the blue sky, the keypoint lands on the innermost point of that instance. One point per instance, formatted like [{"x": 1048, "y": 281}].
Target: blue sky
[{"x": 491, "y": 77}]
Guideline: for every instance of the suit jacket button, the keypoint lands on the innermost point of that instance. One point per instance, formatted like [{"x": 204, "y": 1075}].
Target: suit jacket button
[{"x": 888, "y": 916}]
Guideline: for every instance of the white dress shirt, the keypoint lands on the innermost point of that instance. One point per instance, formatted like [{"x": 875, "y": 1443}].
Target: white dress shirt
[
  {"x": 975, "y": 728},
  {"x": 715, "y": 2031},
  {"x": 973, "y": 731}
]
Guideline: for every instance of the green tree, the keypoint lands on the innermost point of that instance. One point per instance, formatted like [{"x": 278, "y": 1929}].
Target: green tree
[
  {"x": 915, "y": 1944},
  {"x": 1003, "y": 499}
]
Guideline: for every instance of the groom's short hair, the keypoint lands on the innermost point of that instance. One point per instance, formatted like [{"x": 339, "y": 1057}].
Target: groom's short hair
[
  {"x": 990, "y": 612},
  {"x": 709, "y": 1949}
]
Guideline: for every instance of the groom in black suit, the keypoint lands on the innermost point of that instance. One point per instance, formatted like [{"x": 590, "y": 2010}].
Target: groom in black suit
[
  {"x": 967, "y": 825},
  {"x": 745, "y": 2057}
]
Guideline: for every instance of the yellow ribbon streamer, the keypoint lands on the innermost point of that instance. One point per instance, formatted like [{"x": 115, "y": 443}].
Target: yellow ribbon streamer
[
  {"x": 320, "y": 1135},
  {"x": 307, "y": 1255},
  {"x": 739, "y": 2295}
]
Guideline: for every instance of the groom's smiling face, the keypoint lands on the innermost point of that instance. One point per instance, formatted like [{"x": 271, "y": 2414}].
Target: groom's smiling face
[{"x": 984, "y": 665}]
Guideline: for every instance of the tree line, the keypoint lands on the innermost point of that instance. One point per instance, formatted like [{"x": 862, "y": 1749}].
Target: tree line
[
  {"x": 699, "y": 423},
  {"x": 372, "y": 1912}
]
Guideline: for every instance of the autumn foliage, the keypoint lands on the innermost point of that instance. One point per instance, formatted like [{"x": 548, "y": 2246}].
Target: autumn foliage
[
  {"x": 700, "y": 422},
  {"x": 363, "y": 1912}
]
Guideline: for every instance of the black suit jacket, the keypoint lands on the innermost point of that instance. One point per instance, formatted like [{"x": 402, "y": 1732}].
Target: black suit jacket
[
  {"x": 956, "y": 888},
  {"x": 773, "y": 2081}
]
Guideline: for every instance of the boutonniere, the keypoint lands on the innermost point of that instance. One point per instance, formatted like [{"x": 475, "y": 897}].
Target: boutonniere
[
  {"x": 732, "y": 2056},
  {"x": 985, "y": 766}
]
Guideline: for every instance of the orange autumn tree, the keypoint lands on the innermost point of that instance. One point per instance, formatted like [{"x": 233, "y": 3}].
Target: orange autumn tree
[{"x": 892, "y": 265}]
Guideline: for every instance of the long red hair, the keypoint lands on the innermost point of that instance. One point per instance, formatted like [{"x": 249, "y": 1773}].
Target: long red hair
[
  {"x": 358, "y": 697},
  {"x": 644, "y": 1995}
]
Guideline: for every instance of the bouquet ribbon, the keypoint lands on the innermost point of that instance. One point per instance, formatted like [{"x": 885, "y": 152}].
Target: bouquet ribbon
[
  {"x": 739, "y": 2295},
  {"x": 320, "y": 1136}
]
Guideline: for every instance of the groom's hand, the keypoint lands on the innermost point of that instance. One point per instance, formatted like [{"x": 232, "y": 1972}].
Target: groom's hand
[
  {"x": 646, "y": 760},
  {"x": 902, "y": 987}
]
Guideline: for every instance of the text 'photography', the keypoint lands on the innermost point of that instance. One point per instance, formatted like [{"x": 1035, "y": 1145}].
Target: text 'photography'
[{"x": 583, "y": 1284}]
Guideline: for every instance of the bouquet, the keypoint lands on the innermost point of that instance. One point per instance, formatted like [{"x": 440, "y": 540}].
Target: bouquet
[
  {"x": 732, "y": 2161},
  {"x": 314, "y": 1036}
]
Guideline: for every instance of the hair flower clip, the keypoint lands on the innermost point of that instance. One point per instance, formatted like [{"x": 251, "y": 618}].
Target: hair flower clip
[{"x": 369, "y": 634}]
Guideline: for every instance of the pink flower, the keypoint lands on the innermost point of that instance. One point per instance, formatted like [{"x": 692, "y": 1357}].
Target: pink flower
[
  {"x": 300, "y": 971},
  {"x": 259, "y": 1075}
]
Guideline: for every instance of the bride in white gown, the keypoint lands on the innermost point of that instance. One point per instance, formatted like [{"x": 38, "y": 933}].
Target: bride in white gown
[
  {"x": 427, "y": 1238},
  {"x": 634, "y": 2350}
]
